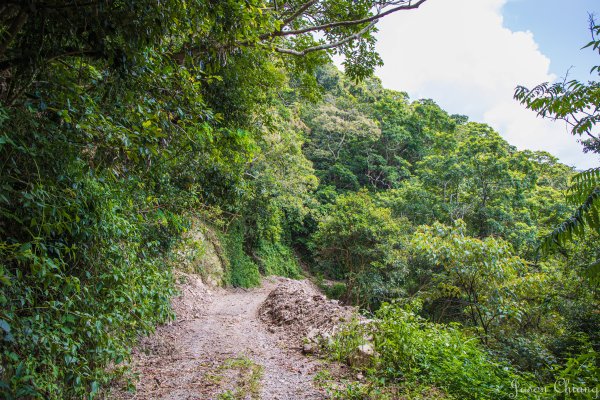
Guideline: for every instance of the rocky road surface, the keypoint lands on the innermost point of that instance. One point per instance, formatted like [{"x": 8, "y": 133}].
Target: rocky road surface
[{"x": 211, "y": 349}]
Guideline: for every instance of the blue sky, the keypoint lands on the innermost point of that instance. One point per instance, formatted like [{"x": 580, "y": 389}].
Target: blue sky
[
  {"x": 560, "y": 28},
  {"x": 469, "y": 55}
]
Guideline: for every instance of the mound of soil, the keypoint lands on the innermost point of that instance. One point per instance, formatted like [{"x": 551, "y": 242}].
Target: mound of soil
[{"x": 298, "y": 310}]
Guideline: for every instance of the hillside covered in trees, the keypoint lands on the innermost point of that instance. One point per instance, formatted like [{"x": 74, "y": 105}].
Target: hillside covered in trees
[{"x": 126, "y": 125}]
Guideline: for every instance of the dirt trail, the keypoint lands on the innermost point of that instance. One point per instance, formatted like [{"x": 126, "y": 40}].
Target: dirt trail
[{"x": 216, "y": 331}]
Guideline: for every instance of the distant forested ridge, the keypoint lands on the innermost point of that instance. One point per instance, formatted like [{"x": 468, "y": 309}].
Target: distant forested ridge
[{"x": 126, "y": 125}]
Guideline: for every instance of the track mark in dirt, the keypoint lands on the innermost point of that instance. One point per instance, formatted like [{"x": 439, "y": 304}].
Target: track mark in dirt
[{"x": 214, "y": 329}]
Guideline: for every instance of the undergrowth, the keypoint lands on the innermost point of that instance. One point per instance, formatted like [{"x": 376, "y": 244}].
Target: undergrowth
[
  {"x": 242, "y": 271},
  {"x": 268, "y": 258},
  {"x": 416, "y": 356},
  {"x": 277, "y": 259},
  {"x": 241, "y": 375},
  {"x": 80, "y": 287}
]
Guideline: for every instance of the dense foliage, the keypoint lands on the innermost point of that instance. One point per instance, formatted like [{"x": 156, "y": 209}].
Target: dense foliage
[
  {"x": 124, "y": 123},
  {"x": 416, "y": 203},
  {"x": 416, "y": 352},
  {"x": 576, "y": 103},
  {"x": 120, "y": 121}
]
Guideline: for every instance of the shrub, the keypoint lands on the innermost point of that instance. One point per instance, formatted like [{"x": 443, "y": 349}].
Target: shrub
[
  {"x": 409, "y": 349},
  {"x": 242, "y": 271},
  {"x": 76, "y": 295},
  {"x": 277, "y": 259},
  {"x": 359, "y": 239}
]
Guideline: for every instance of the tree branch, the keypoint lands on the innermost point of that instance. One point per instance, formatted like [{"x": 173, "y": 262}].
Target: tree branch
[
  {"x": 16, "y": 25},
  {"x": 330, "y": 25},
  {"x": 299, "y": 12},
  {"x": 326, "y": 46},
  {"x": 7, "y": 64}
]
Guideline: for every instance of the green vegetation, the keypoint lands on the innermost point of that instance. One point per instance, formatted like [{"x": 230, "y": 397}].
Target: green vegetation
[
  {"x": 357, "y": 240},
  {"x": 411, "y": 349},
  {"x": 241, "y": 376},
  {"x": 459, "y": 232},
  {"x": 242, "y": 271},
  {"x": 278, "y": 259},
  {"x": 126, "y": 124},
  {"x": 576, "y": 103}
]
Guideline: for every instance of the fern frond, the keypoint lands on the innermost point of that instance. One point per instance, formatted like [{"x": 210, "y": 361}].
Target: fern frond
[
  {"x": 586, "y": 215},
  {"x": 582, "y": 185},
  {"x": 592, "y": 271}
]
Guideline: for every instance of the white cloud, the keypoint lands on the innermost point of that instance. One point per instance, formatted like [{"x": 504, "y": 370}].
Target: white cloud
[{"x": 458, "y": 53}]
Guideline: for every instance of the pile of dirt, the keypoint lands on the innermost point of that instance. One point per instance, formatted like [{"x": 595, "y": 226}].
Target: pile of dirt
[{"x": 298, "y": 310}]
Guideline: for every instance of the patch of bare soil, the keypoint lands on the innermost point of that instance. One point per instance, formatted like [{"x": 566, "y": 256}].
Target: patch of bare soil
[{"x": 216, "y": 341}]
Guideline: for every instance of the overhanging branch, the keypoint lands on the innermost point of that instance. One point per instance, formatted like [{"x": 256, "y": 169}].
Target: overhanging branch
[
  {"x": 326, "y": 46},
  {"x": 299, "y": 12},
  {"x": 331, "y": 25}
]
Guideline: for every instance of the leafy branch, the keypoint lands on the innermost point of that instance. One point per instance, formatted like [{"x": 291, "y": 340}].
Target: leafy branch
[
  {"x": 326, "y": 46},
  {"x": 578, "y": 104},
  {"x": 585, "y": 190}
]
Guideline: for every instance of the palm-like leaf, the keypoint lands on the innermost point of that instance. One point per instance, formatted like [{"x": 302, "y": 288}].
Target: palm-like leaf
[
  {"x": 584, "y": 192},
  {"x": 578, "y": 104}
]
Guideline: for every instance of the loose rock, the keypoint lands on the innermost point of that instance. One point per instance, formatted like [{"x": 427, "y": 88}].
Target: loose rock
[{"x": 362, "y": 357}]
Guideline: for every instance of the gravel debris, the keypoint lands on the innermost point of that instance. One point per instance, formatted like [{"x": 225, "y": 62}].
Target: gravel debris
[{"x": 298, "y": 311}]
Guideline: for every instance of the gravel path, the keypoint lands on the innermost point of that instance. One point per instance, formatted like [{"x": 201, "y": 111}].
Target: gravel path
[{"x": 186, "y": 359}]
